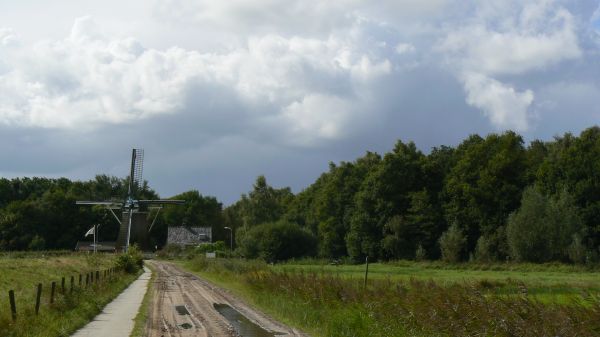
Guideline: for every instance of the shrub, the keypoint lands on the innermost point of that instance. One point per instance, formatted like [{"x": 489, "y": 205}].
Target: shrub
[
  {"x": 276, "y": 241},
  {"x": 543, "y": 228},
  {"x": 170, "y": 251},
  {"x": 577, "y": 250},
  {"x": 420, "y": 253},
  {"x": 131, "y": 261},
  {"x": 452, "y": 243},
  {"x": 483, "y": 250}
]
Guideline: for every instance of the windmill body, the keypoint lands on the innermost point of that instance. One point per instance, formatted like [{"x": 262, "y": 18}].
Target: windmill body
[{"x": 133, "y": 224}]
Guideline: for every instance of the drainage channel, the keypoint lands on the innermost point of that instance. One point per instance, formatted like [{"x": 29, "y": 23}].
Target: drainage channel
[{"x": 242, "y": 325}]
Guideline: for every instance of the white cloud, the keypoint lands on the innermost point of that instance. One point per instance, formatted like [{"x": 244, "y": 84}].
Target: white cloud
[
  {"x": 89, "y": 79},
  {"x": 7, "y": 37},
  {"x": 508, "y": 38},
  {"x": 503, "y": 105},
  {"x": 318, "y": 117},
  {"x": 405, "y": 48}
]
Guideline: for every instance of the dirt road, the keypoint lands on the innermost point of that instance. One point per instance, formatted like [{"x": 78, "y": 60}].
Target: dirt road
[{"x": 184, "y": 305}]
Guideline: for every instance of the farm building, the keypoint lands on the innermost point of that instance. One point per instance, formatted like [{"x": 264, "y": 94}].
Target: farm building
[{"x": 189, "y": 236}]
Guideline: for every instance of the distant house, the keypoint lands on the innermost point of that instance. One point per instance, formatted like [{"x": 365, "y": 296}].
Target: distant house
[{"x": 189, "y": 236}]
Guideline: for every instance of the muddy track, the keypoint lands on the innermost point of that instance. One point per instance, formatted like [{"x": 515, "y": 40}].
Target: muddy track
[{"x": 182, "y": 306}]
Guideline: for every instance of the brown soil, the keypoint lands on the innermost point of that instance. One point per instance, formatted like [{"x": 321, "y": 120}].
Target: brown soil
[{"x": 174, "y": 287}]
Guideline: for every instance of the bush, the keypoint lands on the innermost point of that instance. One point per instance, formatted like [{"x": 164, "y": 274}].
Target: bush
[
  {"x": 170, "y": 251},
  {"x": 131, "y": 261},
  {"x": 483, "y": 250},
  {"x": 276, "y": 241},
  {"x": 577, "y": 250},
  {"x": 420, "y": 253},
  {"x": 218, "y": 246},
  {"x": 452, "y": 243},
  {"x": 542, "y": 229}
]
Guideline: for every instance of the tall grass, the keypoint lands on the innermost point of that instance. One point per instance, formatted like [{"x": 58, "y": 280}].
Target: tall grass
[
  {"x": 327, "y": 305},
  {"x": 70, "y": 310}
]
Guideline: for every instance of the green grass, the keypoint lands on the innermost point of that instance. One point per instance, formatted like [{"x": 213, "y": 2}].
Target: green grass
[
  {"x": 417, "y": 299},
  {"x": 549, "y": 282},
  {"x": 23, "y": 272},
  {"x": 141, "y": 318}
]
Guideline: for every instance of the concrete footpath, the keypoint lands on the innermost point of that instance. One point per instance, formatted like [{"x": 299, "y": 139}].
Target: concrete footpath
[{"x": 116, "y": 319}]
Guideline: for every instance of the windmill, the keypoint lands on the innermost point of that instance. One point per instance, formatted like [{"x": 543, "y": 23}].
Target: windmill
[{"x": 131, "y": 205}]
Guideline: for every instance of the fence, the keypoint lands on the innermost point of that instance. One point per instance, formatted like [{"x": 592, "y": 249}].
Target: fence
[{"x": 83, "y": 282}]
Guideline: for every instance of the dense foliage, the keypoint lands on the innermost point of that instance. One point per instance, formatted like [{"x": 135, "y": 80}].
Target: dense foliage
[
  {"x": 41, "y": 214},
  {"x": 504, "y": 199},
  {"x": 401, "y": 205}
]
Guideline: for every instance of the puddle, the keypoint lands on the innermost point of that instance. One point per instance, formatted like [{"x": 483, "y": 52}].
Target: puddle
[
  {"x": 185, "y": 326},
  {"x": 182, "y": 310},
  {"x": 242, "y": 325}
]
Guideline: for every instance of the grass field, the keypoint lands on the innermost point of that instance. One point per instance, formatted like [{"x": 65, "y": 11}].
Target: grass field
[
  {"x": 550, "y": 282},
  {"x": 23, "y": 272},
  {"x": 417, "y": 299}
]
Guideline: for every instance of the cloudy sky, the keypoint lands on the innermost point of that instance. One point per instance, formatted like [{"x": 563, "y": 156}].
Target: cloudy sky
[{"x": 218, "y": 92}]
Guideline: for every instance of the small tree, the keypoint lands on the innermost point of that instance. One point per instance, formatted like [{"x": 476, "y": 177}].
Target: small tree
[
  {"x": 543, "y": 228},
  {"x": 577, "y": 250},
  {"x": 452, "y": 243},
  {"x": 420, "y": 253},
  {"x": 484, "y": 250}
]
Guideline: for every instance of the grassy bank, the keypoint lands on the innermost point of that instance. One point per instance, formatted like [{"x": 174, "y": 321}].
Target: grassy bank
[
  {"x": 69, "y": 311},
  {"x": 415, "y": 299},
  {"x": 141, "y": 319}
]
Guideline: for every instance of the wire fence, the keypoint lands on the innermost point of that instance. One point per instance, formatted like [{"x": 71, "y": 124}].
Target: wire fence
[{"x": 63, "y": 289}]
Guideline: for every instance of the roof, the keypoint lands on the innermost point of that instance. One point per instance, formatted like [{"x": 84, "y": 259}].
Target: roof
[{"x": 189, "y": 235}]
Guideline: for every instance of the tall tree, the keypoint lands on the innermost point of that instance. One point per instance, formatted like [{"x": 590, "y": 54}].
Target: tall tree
[{"x": 485, "y": 185}]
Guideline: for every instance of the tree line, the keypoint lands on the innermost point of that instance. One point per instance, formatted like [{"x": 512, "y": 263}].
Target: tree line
[
  {"x": 41, "y": 214},
  {"x": 490, "y": 198}
]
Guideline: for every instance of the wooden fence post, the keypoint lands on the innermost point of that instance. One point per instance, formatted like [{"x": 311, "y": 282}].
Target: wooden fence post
[
  {"x": 53, "y": 288},
  {"x": 62, "y": 285},
  {"x": 97, "y": 276},
  {"x": 13, "y": 306},
  {"x": 80, "y": 280},
  {"x": 38, "y": 297},
  {"x": 92, "y": 277},
  {"x": 87, "y": 280},
  {"x": 72, "y": 283}
]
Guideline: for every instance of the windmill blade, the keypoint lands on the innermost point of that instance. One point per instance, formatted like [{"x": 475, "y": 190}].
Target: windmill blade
[
  {"x": 104, "y": 203},
  {"x": 161, "y": 202},
  {"x": 135, "y": 174}
]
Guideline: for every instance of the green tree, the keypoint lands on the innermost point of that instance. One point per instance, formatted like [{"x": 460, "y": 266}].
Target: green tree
[
  {"x": 384, "y": 193},
  {"x": 572, "y": 163},
  {"x": 542, "y": 229},
  {"x": 452, "y": 244},
  {"x": 486, "y": 183},
  {"x": 276, "y": 241}
]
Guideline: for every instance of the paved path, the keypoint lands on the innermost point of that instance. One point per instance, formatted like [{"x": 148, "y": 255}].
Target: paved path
[{"x": 116, "y": 319}]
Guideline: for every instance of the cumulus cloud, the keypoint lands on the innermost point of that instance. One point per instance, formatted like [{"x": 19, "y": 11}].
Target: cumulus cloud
[
  {"x": 7, "y": 37},
  {"x": 405, "y": 48},
  {"x": 88, "y": 79},
  {"x": 502, "y": 104},
  {"x": 509, "y": 38}
]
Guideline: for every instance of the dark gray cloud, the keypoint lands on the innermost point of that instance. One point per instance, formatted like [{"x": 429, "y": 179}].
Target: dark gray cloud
[{"x": 220, "y": 92}]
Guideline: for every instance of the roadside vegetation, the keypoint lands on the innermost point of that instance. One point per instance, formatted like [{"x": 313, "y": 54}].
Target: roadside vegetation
[
  {"x": 22, "y": 272},
  {"x": 416, "y": 299}
]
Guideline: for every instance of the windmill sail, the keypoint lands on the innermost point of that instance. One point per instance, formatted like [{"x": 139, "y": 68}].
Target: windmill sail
[{"x": 133, "y": 223}]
